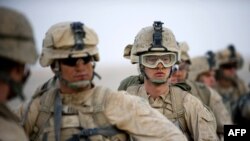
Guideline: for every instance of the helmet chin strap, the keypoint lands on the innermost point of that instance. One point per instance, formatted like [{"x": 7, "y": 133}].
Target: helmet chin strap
[
  {"x": 75, "y": 85},
  {"x": 16, "y": 88},
  {"x": 154, "y": 81}
]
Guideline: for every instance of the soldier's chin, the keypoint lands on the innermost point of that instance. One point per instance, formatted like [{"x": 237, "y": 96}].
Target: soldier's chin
[
  {"x": 159, "y": 81},
  {"x": 80, "y": 84}
]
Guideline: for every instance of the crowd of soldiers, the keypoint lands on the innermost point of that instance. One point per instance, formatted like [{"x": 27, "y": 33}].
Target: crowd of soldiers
[{"x": 174, "y": 97}]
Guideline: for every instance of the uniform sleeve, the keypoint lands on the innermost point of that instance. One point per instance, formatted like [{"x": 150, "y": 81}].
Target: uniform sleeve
[
  {"x": 202, "y": 125},
  {"x": 135, "y": 116},
  {"x": 31, "y": 116},
  {"x": 221, "y": 114}
]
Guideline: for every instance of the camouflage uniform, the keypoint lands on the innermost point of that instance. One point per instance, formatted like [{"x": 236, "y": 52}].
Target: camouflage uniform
[
  {"x": 96, "y": 113},
  {"x": 16, "y": 41},
  {"x": 183, "y": 109},
  {"x": 230, "y": 87},
  {"x": 206, "y": 94},
  {"x": 213, "y": 100},
  {"x": 200, "y": 65}
]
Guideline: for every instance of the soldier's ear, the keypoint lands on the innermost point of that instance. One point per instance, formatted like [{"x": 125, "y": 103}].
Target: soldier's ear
[{"x": 53, "y": 67}]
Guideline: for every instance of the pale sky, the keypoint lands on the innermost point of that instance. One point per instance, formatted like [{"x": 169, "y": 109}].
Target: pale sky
[{"x": 203, "y": 24}]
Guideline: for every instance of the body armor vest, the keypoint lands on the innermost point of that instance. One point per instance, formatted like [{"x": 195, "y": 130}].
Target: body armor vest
[
  {"x": 200, "y": 91},
  {"x": 174, "y": 111},
  {"x": 82, "y": 123}
]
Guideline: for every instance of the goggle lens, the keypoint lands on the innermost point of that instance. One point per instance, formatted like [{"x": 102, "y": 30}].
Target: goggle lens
[
  {"x": 72, "y": 61},
  {"x": 152, "y": 60}
]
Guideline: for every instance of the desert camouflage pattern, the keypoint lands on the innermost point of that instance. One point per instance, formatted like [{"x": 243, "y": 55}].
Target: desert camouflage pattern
[
  {"x": 198, "y": 123},
  {"x": 143, "y": 41},
  {"x": 199, "y": 65},
  {"x": 225, "y": 56},
  {"x": 231, "y": 94},
  {"x": 59, "y": 42},
  {"x": 9, "y": 129},
  {"x": 17, "y": 42},
  {"x": 184, "y": 51},
  {"x": 135, "y": 110}
]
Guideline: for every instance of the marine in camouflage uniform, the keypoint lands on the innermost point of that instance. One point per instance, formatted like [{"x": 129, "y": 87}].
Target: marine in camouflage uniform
[
  {"x": 156, "y": 51},
  {"x": 241, "y": 112},
  {"x": 71, "y": 107},
  {"x": 202, "y": 70},
  {"x": 229, "y": 85},
  {"x": 16, "y": 41}
]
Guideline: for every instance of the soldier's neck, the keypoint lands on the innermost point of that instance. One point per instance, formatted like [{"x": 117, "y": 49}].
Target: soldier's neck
[
  {"x": 225, "y": 83},
  {"x": 67, "y": 90},
  {"x": 155, "y": 90}
]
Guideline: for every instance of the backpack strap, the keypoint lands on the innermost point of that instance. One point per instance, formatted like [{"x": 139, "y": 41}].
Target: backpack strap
[
  {"x": 200, "y": 91},
  {"x": 47, "y": 101},
  {"x": 177, "y": 98},
  {"x": 183, "y": 85},
  {"x": 57, "y": 115},
  {"x": 101, "y": 124},
  {"x": 39, "y": 92}
]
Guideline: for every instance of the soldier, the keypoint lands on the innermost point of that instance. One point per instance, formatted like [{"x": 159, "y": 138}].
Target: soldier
[
  {"x": 73, "y": 108},
  {"x": 206, "y": 94},
  {"x": 16, "y": 41},
  {"x": 229, "y": 85},
  {"x": 202, "y": 70},
  {"x": 155, "y": 50},
  {"x": 241, "y": 112}
]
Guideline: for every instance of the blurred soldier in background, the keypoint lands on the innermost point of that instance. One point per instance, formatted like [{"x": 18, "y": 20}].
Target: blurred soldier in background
[
  {"x": 17, "y": 48},
  {"x": 241, "y": 112},
  {"x": 156, "y": 51},
  {"x": 73, "y": 108},
  {"x": 202, "y": 70},
  {"x": 229, "y": 85},
  {"x": 205, "y": 93}
]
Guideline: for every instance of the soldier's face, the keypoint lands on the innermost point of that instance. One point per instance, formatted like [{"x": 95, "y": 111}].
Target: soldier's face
[
  {"x": 17, "y": 74},
  {"x": 229, "y": 70},
  {"x": 158, "y": 73},
  {"x": 77, "y": 70},
  {"x": 181, "y": 74},
  {"x": 208, "y": 78}
]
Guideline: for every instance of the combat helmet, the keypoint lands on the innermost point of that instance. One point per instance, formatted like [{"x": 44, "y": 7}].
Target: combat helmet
[
  {"x": 230, "y": 55},
  {"x": 153, "y": 45},
  {"x": 68, "y": 39},
  {"x": 17, "y": 46},
  {"x": 155, "y": 39},
  {"x": 201, "y": 64},
  {"x": 184, "y": 52},
  {"x": 127, "y": 54},
  {"x": 16, "y": 37}
]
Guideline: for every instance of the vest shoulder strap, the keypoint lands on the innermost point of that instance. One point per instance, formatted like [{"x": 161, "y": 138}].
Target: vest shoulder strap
[
  {"x": 178, "y": 95},
  {"x": 47, "y": 104},
  {"x": 200, "y": 91}
]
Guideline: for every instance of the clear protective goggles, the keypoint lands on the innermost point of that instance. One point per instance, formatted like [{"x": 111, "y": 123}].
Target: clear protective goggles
[{"x": 151, "y": 60}]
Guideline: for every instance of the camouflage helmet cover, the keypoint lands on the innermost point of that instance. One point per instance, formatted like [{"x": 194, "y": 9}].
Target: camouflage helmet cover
[
  {"x": 184, "y": 52},
  {"x": 144, "y": 39},
  {"x": 59, "y": 43},
  {"x": 199, "y": 65},
  {"x": 16, "y": 37},
  {"x": 229, "y": 55},
  {"x": 127, "y": 53}
]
